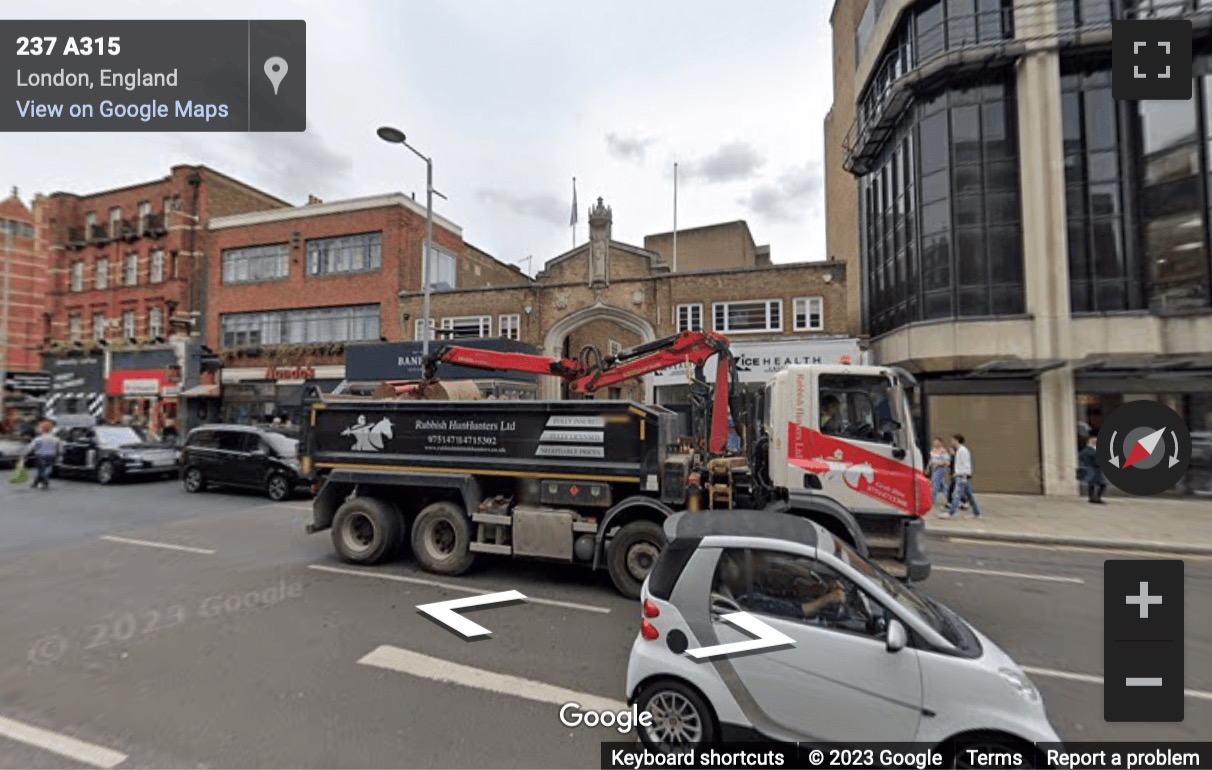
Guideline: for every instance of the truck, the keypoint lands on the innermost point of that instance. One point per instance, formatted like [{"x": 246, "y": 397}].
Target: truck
[{"x": 591, "y": 482}]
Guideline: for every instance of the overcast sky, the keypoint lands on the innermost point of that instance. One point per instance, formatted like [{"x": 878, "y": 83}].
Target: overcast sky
[{"x": 512, "y": 99}]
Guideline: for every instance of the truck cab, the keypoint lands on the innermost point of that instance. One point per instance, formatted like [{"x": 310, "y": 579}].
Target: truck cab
[{"x": 843, "y": 452}]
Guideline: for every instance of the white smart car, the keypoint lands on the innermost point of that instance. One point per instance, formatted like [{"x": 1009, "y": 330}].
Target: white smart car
[{"x": 870, "y": 659}]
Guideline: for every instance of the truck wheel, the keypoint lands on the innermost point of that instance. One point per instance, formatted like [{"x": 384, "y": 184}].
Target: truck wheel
[
  {"x": 633, "y": 551},
  {"x": 441, "y": 537},
  {"x": 365, "y": 530}
]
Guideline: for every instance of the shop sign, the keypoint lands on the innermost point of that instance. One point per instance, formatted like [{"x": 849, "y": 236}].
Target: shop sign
[
  {"x": 290, "y": 373},
  {"x": 141, "y": 387},
  {"x": 759, "y": 361}
]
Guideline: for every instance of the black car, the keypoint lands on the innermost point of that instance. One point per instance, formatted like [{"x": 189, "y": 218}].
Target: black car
[
  {"x": 241, "y": 456},
  {"x": 110, "y": 453}
]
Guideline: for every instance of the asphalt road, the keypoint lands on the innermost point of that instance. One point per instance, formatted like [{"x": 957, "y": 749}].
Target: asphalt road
[{"x": 159, "y": 629}]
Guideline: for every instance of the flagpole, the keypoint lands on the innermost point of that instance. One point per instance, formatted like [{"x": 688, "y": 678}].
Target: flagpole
[
  {"x": 675, "y": 217},
  {"x": 574, "y": 212}
]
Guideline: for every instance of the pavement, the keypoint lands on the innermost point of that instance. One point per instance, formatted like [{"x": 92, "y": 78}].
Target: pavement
[
  {"x": 1151, "y": 524},
  {"x": 150, "y": 628}
]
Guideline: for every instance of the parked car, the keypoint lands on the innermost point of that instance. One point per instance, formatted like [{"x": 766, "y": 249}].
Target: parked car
[
  {"x": 241, "y": 456},
  {"x": 11, "y": 449},
  {"x": 869, "y": 659},
  {"x": 110, "y": 453}
]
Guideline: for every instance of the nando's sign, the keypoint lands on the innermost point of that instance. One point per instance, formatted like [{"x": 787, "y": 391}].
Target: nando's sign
[{"x": 290, "y": 373}]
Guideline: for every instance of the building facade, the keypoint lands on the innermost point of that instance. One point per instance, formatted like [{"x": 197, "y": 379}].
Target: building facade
[
  {"x": 290, "y": 287},
  {"x": 610, "y": 296},
  {"x": 1035, "y": 251},
  {"x": 127, "y": 273},
  {"x": 23, "y": 277}
]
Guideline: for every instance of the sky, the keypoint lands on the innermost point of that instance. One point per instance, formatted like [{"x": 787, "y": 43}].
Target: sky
[{"x": 512, "y": 99}]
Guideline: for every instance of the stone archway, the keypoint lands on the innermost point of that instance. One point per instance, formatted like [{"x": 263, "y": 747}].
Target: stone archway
[{"x": 554, "y": 341}]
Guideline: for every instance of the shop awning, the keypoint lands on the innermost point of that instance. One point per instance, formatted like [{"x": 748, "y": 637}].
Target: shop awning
[
  {"x": 1016, "y": 367},
  {"x": 202, "y": 391},
  {"x": 1146, "y": 363}
]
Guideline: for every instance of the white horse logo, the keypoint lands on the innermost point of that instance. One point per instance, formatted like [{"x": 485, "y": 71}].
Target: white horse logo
[
  {"x": 367, "y": 437},
  {"x": 850, "y": 473}
]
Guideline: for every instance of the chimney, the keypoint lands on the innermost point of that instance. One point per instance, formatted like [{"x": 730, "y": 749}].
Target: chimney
[{"x": 313, "y": 200}]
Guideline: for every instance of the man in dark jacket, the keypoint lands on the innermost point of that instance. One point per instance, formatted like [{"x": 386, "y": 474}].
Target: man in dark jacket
[{"x": 1092, "y": 474}]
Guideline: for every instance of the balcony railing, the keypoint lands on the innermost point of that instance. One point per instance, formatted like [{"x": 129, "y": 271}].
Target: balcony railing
[
  {"x": 76, "y": 237},
  {"x": 99, "y": 234},
  {"x": 153, "y": 225}
]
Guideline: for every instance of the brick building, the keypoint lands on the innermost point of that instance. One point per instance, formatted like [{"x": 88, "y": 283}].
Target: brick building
[
  {"x": 24, "y": 270},
  {"x": 611, "y": 295},
  {"x": 126, "y": 273},
  {"x": 289, "y": 287}
]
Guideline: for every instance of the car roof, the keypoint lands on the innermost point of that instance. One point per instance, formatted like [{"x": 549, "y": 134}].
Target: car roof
[{"x": 742, "y": 523}]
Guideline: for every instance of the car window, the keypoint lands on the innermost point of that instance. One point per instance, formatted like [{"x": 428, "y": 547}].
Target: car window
[
  {"x": 203, "y": 440},
  {"x": 279, "y": 445},
  {"x": 114, "y": 436},
  {"x": 233, "y": 441},
  {"x": 767, "y": 582}
]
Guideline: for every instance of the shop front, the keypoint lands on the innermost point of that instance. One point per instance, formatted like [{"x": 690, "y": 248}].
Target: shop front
[
  {"x": 369, "y": 365},
  {"x": 260, "y": 395},
  {"x": 77, "y": 385},
  {"x": 143, "y": 397}
]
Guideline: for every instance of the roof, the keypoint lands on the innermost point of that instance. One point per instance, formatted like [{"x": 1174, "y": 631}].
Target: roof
[
  {"x": 737, "y": 523},
  {"x": 328, "y": 209},
  {"x": 13, "y": 208}
]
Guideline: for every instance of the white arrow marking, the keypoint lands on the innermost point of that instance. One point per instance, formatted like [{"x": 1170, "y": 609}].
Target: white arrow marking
[
  {"x": 766, "y": 637},
  {"x": 1174, "y": 457},
  {"x": 445, "y": 612}
]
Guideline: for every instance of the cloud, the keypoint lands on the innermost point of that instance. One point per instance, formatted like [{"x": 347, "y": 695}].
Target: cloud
[
  {"x": 794, "y": 195},
  {"x": 732, "y": 162},
  {"x": 628, "y": 148},
  {"x": 547, "y": 208},
  {"x": 293, "y": 164}
]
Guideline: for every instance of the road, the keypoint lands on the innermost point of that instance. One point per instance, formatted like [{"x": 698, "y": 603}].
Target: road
[{"x": 159, "y": 629}]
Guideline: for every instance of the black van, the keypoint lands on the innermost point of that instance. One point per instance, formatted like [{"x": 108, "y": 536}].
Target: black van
[{"x": 241, "y": 456}]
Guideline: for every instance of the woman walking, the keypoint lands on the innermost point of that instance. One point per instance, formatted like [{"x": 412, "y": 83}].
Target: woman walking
[
  {"x": 1092, "y": 473},
  {"x": 45, "y": 449},
  {"x": 940, "y": 461}
]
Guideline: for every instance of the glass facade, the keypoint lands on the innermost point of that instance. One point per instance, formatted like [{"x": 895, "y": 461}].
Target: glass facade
[
  {"x": 940, "y": 212},
  {"x": 350, "y": 323}
]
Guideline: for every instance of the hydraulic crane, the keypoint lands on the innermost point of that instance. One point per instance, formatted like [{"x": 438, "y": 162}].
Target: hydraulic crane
[{"x": 591, "y": 371}]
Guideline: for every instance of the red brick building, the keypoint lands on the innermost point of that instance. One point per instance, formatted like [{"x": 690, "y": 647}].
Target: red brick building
[
  {"x": 288, "y": 287},
  {"x": 24, "y": 269},
  {"x": 128, "y": 269}
]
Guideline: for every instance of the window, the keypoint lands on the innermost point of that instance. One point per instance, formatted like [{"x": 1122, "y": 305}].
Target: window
[
  {"x": 73, "y": 326},
  {"x": 690, "y": 318},
  {"x": 144, "y": 213},
  {"x": 613, "y": 347},
  {"x": 128, "y": 324},
  {"x": 130, "y": 272},
  {"x": 858, "y": 407},
  {"x": 202, "y": 439},
  {"x": 155, "y": 323},
  {"x": 420, "y": 330},
  {"x": 466, "y": 327},
  {"x": 346, "y": 254},
  {"x": 101, "y": 277},
  {"x": 115, "y": 222},
  {"x": 90, "y": 221},
  {"x": 764, "y": 315},
  {"x": 793, "y": 587},
  {"x": 156, "y": 273},
  {"x": 99, "y": 325},
  {"x": 256, "y": 263},
  {"x": 442, "y": 270},
  {"x": 348, "y": 323},
  {"x": 77, "y": 276},
  {"x": 809, "y": 314},
  {"x": 509, "y": 326},
  {"x": 234, "y": 441}
]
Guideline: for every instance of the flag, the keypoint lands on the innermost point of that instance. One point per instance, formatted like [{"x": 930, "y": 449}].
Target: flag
[{"x": 573, "y": 222}]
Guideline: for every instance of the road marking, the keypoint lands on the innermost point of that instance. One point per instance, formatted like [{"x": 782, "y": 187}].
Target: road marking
[
  {"x": 63, "y": 745},
  {"x": 1023, "y": 575},
  {"x": 1091, "y": 679},
  {"x": 1077, "y": 549},
  {"x": 452, "y": 587},
  {"x": 153, "y": 544},
  {"x": 439, "y": 670}
]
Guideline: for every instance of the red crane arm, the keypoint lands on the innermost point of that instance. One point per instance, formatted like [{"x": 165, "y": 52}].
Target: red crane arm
[
  {"x": 688, "y": 347},
  {"x": 501, "y": 361}
]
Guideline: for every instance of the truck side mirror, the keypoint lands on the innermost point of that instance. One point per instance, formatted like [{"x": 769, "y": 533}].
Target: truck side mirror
[{"x": 898, "y": 453}]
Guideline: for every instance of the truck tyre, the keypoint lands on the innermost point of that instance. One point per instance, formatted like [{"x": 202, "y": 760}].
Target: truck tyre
[
  {"x": 441, "y": 539},
  {"x": 633, "y": 551},
  {"x": 366, "y": 530}
]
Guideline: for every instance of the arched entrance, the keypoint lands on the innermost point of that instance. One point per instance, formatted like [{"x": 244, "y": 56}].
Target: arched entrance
[{"x": 598, "y": 315}]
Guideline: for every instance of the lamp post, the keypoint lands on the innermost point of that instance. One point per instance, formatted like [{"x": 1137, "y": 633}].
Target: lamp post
[{"x": 396, "y": 136}]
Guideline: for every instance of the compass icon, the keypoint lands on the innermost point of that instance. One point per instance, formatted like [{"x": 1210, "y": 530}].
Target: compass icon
[{"x": 1144, "y": 448}]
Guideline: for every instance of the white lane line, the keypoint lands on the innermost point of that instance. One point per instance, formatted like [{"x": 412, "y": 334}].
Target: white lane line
[
  {"x": 1077, "y": 549},
  {"x": 452, "y": 587},
  {"x": 1091, "y": 679},
  {"x": 439, "y": 670},
  {"x": 999, "y": 573},
  {"x": 63, "y": 745},
  {"x": 153, "y": 544}
]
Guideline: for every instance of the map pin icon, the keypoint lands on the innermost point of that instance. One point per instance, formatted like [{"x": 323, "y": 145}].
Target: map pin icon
[{"x": 275, "y": 70}]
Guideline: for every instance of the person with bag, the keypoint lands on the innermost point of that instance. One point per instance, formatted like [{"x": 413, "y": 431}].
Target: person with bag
[
  {"x": 1091, "y": 471},
  {"x": 45, "y": 450}
]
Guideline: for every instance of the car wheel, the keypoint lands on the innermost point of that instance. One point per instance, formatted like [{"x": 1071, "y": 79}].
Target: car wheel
[
  {"x": 366, "y": 530},
  {"x": 277, "y": 488},
  {"x": 681, "y": 718},
  {"x": 194, "y": 481},
  {"x": 633, "y": 551},
  {"x": 441, "y": 539},
  {"x": 106, "y": 472}
]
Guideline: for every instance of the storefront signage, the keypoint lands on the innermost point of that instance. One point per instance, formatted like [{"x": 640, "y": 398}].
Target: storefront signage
[
  {"x": 33, "y": 383},
  {"x": 71, "y": 374},
  {"x": 140, "y": 383},
  {"x": 379, "y": 361},
  {"x": 140, "y": 387},
  {"x": 290, "y": 373},
  {"x": 759, "y": 361}
]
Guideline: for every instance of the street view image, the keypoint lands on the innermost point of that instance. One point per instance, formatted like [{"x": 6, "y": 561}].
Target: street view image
[{"x": 418, "y": 384}]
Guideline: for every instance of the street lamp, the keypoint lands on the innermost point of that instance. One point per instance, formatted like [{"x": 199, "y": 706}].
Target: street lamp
[{"x": 396, "y": 136}]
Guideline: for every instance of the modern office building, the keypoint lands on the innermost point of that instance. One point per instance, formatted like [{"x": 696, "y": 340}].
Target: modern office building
[{"x": 1035, "y": 251}]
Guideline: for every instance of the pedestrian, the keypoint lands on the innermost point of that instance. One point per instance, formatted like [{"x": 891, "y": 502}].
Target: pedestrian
[
  {"x": 940, "y": 462},
  {"x": 169, "y": 434},
  {"x": 963, "y": 478},
  {"x": 45, "y": 449},
  {"x": 1092, "y": 472}
]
